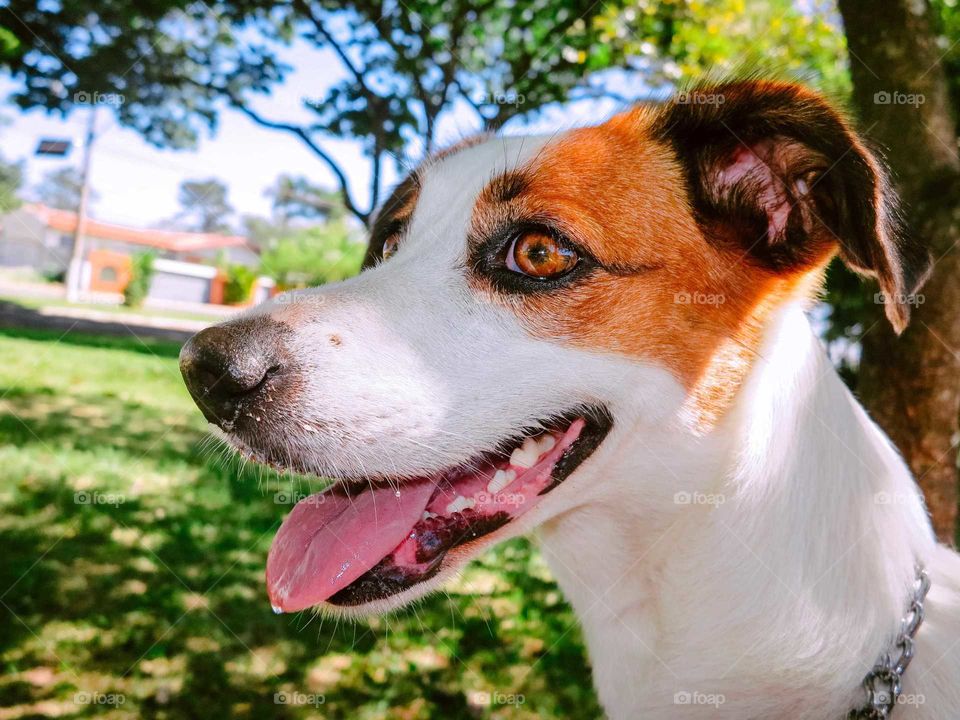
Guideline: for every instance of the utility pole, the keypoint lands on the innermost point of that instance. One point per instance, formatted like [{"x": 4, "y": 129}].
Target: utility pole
[{"x": 75, "y": 269}]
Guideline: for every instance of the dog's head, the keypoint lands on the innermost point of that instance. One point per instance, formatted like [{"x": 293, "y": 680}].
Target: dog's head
[{"x": 533, "y": 304}]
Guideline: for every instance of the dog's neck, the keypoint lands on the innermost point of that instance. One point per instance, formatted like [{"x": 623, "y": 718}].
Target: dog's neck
[{"x": 743, "y": 569}]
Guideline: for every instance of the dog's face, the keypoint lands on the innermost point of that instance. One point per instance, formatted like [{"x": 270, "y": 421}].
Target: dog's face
[{"x": 534, "y": 303}]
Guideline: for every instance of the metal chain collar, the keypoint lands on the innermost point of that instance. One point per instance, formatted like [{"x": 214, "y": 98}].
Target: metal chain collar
[{"x": 884, "y": 683}]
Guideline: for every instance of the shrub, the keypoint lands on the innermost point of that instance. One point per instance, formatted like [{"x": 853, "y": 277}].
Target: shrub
[
  {"x": 141, "y": 275},
  {"x": 54, "y": 276},
  {"x": 239, "y": 285},
  {"x": 313, "y": 256}
]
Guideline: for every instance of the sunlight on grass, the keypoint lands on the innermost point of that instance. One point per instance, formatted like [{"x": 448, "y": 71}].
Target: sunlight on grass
[{"x": 132, "y": 581}]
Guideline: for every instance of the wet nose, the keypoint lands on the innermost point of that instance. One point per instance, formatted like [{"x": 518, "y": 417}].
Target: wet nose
[{"x": 224, "y": 364}]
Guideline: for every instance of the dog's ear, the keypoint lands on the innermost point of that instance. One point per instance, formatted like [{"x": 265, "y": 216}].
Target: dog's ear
[{"x": 774, "y": 168}]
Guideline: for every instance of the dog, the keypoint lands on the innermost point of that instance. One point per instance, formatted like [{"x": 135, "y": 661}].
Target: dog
[{"x": 601, "y": 336}]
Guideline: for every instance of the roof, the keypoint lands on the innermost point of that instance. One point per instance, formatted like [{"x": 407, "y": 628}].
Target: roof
[{"x": 172, "y": 240}]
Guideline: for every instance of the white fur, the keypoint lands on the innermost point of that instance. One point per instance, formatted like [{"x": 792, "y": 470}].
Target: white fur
[
  {"x": 769, "y": 595},
  {"x": 780, "y": 589}
]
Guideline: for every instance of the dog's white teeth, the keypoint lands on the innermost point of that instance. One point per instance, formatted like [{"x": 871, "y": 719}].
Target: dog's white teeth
[
  {"x": 276, "y": 610},
  {"x": 521, "y": 459},
  {"x": 460, "y": 503},
  {"x": 526, "y": 455},
  {"x": 546, "y": 443},
  {"x": 427, "y": 515},
  {"x": 500, "y": 480}
]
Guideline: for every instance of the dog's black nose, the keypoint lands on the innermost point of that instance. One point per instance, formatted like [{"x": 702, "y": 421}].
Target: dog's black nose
[{"x": 226, "y": 363}]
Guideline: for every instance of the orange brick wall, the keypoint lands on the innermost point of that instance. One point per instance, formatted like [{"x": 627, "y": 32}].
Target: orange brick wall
[
  {"x": 109, "y": 271},
  {"x": 217, "y": 287}
]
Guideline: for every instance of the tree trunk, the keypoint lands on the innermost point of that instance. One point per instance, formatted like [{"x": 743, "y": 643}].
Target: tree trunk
[{"x": 911, "y": 384}]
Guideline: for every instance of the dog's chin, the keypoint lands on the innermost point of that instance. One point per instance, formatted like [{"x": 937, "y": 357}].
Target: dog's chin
[{"x": 367, "y": 546}]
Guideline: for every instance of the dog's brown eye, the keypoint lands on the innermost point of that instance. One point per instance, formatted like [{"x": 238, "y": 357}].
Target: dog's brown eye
[
  {"x": 390, "y": 246},
  {"x": 540, "y": 255}
]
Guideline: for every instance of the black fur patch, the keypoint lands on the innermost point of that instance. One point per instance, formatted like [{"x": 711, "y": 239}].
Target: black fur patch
[{"x": 850, "y": 202}]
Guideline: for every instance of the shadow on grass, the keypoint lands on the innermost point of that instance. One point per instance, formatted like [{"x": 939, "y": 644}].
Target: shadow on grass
[
  {"x": 95, "y": 423},
  {"x": 145, "y": 581},
  {"x": 83, "y": 422},
  {"x": 141, "y": 344}
]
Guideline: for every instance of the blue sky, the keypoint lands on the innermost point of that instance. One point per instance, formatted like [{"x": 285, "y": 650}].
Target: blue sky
[{"x": 137, "y": 183}]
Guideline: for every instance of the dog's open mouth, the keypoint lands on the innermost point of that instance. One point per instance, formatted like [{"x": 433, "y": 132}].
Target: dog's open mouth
[{"x": 352, "y": 546}]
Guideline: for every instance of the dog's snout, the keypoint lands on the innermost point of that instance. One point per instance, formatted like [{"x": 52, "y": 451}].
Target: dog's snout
[{"x": 224, "y": 364}]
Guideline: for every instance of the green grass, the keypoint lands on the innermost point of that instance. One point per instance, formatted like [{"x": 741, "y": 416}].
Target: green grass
[{"x": 133, "y": 560}]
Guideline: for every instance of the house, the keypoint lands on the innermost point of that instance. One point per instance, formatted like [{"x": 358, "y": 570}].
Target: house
[{"x": 41, "y": 237}]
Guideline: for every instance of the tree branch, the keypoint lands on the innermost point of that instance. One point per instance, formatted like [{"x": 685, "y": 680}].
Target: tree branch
[
  {"x": 374, "y": 103},
  {"x": 304, "y": 136},
  {"x": 337, "y": 48},
  {"x": 375, "y": 174},
  {"x": 419, "y": 89},
  {"x": 476, "y": 108}
]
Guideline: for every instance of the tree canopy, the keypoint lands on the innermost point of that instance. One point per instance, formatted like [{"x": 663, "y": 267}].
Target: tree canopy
[
  {"x": 60, "y": 188},
  {"x": 11, "y": 179},
  {"x": 204, "y": 206},
  {"x": 169, "y": 67}
]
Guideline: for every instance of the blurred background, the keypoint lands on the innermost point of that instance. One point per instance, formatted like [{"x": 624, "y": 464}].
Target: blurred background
[{"x": 164, "y": 164}]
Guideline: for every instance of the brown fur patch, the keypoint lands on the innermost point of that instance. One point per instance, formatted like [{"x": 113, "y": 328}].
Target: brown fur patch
[
  {"x": 392, "y": 216},
  {"x": 664, "y": 292}
]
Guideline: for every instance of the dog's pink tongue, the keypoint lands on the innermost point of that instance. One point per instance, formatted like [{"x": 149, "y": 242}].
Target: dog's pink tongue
[{"x": 329, "y": 540}]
